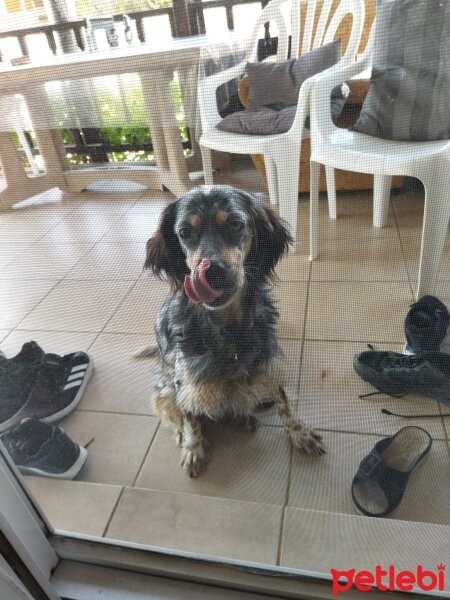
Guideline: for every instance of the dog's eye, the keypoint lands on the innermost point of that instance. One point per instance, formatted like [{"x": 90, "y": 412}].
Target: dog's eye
[
  {"x": 185, "y": 233},
  {"x": 236, "y": 226}
]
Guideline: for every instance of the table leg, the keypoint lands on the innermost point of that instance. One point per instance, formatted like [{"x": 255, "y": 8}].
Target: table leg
[
  {"x": 149, "y": 83},
  {"x": 50, "y": 148},
  {"x": 156, "y": 86}
]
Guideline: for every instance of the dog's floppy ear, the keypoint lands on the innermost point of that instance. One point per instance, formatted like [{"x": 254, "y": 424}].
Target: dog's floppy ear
[
  {"x": 271, "y": 240},
  {"x": 164, "y": 254}
]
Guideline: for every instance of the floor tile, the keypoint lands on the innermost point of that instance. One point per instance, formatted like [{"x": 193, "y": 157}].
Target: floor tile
[
  {"x": 355, "y": 218},
  {"x": 78, "y": 306},
  {"x": 138, "y": 312},
  {"x": 45, "y": 212},
  {"x": 325, "y": 483},
  {"x": 18, "y": 298},
  {"x": 56, "y": 342},
  {"x": 151, "y": 201},
  {"x": 428, "y": 491},
  {"x": 110, "y": 261},
  {"x": 372, "y": 312},
  {"x": 330, "y": 388},
  {"x": 408, "y": 209},
  {"x": 121, "y": 383},
  {"x": 105, "y": 202},
  {"x": 243, "y": 175},
  {"x": 294, "y": 267},
  {"x": 207, "y": 526},
  {"x": 75, "y": 506},
  {"x": 317, "y": 541},
  {"x": 242, "y": 465},
  {"x": 411, "y": 245},
  {"x": 82, "y": 226},
  {"x": 360, "y": 259},
  {"x": 290, "y": 300},
  {"x": 134, "y": 227},
  {"x": 3, "y": 333},
  {"x": 26, "y": 227},
  {"x": 116, "y": 444},
  {"x": 45, "y": 261},
  {"x": 9, "y": 251}
]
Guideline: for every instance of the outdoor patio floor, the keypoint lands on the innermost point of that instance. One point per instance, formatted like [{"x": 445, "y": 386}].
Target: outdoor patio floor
[{"x": 72, "y": 279}]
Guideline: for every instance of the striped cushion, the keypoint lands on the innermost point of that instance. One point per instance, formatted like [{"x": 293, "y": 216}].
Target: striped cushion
[{"x": 409, "y": 95}]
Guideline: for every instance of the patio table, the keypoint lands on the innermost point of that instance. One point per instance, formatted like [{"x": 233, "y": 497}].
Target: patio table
[{"x": 155, "y": 64}]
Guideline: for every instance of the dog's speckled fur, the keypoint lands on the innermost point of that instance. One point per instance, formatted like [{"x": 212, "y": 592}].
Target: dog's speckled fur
[{"x": 219, "y": 360}]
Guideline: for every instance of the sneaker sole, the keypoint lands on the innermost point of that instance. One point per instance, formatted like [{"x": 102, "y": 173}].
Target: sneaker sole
[
  {"x": 70, "y": 407},
  {"x": 71, "y": 473}
]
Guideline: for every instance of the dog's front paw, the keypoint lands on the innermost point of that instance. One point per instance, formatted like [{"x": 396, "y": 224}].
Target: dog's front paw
[
  {"x": 306, "y": 439},
  {"x": 193, "y": 460}
]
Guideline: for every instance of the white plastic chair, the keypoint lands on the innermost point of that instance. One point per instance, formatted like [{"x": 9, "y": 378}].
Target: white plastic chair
[
  {"x": 281, "y": 151},
  {"x": 352, "y": 151}
]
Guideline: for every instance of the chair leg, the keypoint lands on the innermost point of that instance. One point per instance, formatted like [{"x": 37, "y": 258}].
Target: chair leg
[
  {"x": 435, "y": 226},
  {"x": 207, "y": 165},
  {"x": 381, "y": 195},
  {"x": 287, "y": 179},
  {"x": 271, "y": 174},
  {"x": 331, "y": 192},
  {"x": 314, "y": 179}
]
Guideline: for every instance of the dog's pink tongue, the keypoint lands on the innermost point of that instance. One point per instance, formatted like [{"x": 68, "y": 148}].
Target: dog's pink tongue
[{"x": 196, "y": 285}]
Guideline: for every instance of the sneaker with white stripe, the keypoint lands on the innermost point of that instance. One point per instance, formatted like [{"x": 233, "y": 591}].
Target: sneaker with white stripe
[{"x": 57, "y": 388}]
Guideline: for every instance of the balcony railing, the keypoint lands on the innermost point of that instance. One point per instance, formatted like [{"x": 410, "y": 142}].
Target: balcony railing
[{"x": 185, "y": 18}]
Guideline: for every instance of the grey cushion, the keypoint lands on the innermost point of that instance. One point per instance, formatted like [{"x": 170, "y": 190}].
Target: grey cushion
[
  {"x": 269, "y": 120},
  {"x": 280, "y": 82},
  {"x": 409, "y": 94},
  {"x": 274, "y": 89}
]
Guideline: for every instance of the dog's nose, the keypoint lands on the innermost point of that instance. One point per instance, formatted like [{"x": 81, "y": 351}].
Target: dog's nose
[{"x": 217, "y": 276}]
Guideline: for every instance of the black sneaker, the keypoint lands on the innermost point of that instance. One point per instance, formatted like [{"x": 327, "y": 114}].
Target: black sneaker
[
  {"x": 397, "y": 374},
  {"x": 426, "y": 325},
  {"x": 16, "y": 383},
  {"x": 41, "y": 449},
  {"x": 41, "y": 386}
]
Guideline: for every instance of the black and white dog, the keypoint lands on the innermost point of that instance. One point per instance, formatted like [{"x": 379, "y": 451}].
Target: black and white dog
[{"x": 218, "y": 247}]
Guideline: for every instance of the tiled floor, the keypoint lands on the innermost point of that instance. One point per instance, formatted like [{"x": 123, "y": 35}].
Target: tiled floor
[{"x": 72, "y": 279}]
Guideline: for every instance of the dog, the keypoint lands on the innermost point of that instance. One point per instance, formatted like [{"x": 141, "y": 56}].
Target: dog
[{"x": 216, "y": 334}]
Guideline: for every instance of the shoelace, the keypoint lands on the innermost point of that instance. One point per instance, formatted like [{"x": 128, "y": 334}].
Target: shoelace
[{"x": 385, "y": 411}]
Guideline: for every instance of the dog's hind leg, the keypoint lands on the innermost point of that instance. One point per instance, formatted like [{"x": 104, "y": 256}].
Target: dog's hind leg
[
  {"x": 193, "y": 454},
  {"x": 171, "y": 416},
  {"x": 301, "y": 436}
]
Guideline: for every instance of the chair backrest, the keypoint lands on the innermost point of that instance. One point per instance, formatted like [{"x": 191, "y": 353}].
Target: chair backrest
[
  {"x": 322, "y": 21},
  {"x": 311, "y": 24},
  {"x": 286, "y": 16}
]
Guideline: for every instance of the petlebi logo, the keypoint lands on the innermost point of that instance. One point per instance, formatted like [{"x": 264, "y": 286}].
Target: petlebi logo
[{"x": 389, "y": 579}]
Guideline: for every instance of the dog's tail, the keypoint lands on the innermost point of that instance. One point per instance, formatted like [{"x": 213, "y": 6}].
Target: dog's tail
[{"x": 146, "y": 352}]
